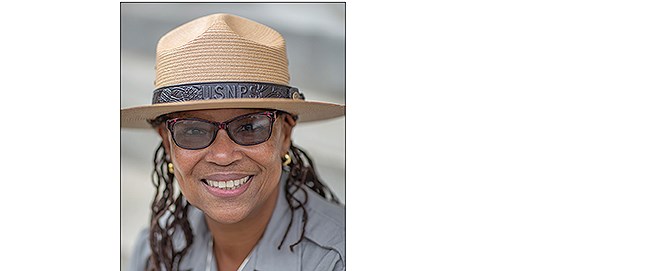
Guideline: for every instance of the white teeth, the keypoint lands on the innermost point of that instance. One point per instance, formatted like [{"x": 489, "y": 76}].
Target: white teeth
[{"x": 228, "y": 185}]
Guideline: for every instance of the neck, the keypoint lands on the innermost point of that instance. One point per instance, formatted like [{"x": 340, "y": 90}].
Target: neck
[{"x": 234, "y": 242}]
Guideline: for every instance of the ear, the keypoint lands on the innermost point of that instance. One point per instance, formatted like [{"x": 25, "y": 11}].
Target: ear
[
  {"x": 162, "y": 131},
  {"x": 287, "y": 127}
]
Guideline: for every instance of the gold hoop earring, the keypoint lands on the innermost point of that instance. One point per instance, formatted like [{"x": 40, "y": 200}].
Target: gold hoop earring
[
  {"x": 170, "y": 168},
  {"x": 286, "y": 160}
]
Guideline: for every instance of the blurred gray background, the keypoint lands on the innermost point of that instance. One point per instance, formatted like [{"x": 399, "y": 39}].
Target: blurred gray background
[{"x": 315, "y": 38}]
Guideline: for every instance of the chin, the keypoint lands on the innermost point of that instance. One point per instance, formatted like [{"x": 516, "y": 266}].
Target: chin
[{"x": 226, "y": 217}]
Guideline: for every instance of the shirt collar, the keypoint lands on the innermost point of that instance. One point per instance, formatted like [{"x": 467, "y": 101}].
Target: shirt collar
[{"x": 266, "y": 252}]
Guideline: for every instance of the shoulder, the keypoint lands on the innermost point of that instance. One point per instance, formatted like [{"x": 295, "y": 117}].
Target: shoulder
[
  {"x": 326, "y": 220},
  {"x": 141, "y": 251},
  {"x": 325, "y": 234}
]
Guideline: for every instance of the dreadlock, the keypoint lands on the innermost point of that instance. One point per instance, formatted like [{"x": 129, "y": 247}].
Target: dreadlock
[
  {"x": 164, "y": 253},
  {"x": 168, "y": 202},
  {"x": 302, "y": 174}
]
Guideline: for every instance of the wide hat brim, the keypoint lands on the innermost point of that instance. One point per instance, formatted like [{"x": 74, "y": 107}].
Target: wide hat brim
[{"x": 138, "y": 116}]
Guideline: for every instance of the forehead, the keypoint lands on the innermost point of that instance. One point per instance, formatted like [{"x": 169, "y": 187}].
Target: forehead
[{"x": 214, "y": 114}]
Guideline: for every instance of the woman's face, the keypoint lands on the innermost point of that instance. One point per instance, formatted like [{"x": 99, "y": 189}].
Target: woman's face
[{"x": 227, "y": 181}]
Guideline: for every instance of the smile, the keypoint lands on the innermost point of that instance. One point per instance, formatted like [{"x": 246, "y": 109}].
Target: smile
[{"x": 228, "y": 185}]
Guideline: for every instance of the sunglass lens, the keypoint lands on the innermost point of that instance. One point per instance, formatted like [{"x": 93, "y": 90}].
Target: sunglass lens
[
  {"x": 250, "y": 130},
  {"x": 193, "y": 134}
]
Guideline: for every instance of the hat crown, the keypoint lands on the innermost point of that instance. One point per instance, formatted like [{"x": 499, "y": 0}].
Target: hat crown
[{"x": 221, "y": 48}]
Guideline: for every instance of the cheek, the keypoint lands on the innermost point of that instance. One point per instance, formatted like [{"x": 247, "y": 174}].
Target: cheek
[
  {"x": 184, "y": 163},
  {"x": 267, "y": 156}
]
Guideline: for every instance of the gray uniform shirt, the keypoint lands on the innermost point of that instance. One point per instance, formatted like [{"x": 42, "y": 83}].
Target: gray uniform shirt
[{"x": 323, "y": 247}]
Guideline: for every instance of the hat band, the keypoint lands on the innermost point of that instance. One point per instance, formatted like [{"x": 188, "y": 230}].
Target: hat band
[{"x": 223, "y": 90}]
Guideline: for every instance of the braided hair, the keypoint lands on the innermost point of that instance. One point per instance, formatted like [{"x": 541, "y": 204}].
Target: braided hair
[{"x": 168, "y": 202}]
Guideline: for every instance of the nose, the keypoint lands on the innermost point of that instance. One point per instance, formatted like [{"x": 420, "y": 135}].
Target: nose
[{"x": 223, "y": 151}]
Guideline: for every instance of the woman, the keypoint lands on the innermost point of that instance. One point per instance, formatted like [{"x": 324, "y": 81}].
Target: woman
[{"x": 249, "y": 199}]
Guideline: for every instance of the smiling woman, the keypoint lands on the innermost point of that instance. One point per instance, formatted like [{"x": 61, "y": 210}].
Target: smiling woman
[{"x": 249, "y": 198}]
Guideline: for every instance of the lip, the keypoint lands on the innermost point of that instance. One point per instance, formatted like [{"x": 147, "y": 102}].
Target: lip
[{"x": 217, "y": 192}]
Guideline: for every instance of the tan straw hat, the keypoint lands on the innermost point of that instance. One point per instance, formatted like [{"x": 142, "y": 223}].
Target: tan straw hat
[{"x": 224, "y": 61}]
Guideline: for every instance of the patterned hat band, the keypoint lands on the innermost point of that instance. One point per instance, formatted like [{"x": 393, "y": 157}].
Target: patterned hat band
[{"x": 224, "y": 90}]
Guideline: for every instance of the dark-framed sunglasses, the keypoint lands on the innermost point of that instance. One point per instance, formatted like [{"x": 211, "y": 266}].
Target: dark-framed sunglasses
[{"x": 246, "y": 130}]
